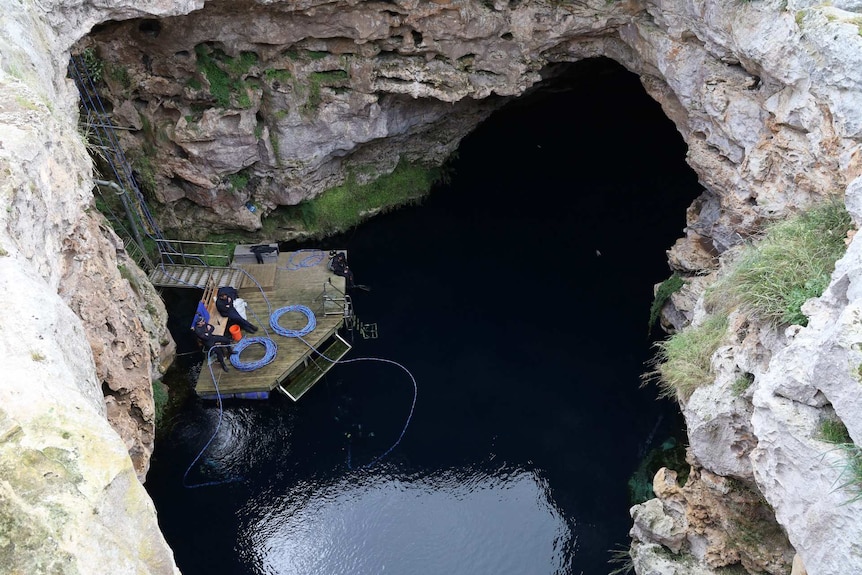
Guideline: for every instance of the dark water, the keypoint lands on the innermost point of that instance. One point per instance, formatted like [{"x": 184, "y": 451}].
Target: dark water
[{"x": 518, "y": 296}]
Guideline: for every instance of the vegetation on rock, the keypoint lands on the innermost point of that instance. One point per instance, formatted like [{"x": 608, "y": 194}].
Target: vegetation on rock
[
  {"x": 789, "y": 264},
  {"x": 344, "y": 206},
  {"x": 682, "y": 362},
  {"x": 666, "y": 289}
]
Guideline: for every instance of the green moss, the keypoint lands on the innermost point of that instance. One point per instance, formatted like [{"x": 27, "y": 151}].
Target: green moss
[
  {"x": 146, "y": 172},
  {"x": 238, "y": 181},
  {"x": 243, "y": 100},
  {"x": 314, "y": 55},
  {"x": 225, "y": 75},
  {"x": 273, "y": 141},
  {"x": 318, "y": 79},
  {"x": 273, "y": 75},
  {"x": 121, "y": 75},
  {"x": 667, "y": 288},
  {"x": 161, "y": 397},
  {"x": 127, "y": 275},
  {"x": 94, "y": 65},
  {"x": 340, "y": 208},
  {"x": 241, "y": 66}
]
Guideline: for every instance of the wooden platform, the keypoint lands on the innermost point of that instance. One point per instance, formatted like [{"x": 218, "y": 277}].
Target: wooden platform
[
  {"x": 313, "y": 286},
  {"x": 263, "y": 274}
]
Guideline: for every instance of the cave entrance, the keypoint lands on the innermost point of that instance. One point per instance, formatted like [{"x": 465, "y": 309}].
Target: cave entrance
[{"x": 525, "y": 323}]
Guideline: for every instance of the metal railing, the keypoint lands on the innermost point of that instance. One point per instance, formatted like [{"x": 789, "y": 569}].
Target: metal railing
[{"x": 192, "y": 253}]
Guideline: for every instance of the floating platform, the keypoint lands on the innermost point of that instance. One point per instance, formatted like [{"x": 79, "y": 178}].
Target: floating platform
[{"x": 296, "y": 278}]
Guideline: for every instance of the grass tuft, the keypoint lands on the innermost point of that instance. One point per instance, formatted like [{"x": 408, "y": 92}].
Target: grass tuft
[
  {"x": 791, "y": 264},
  {"x": 833, "y": 430},
  {"x": 682, "y": 362},
  {"x": 622, "y": 560},
  {"x": 742, "y": 383}
]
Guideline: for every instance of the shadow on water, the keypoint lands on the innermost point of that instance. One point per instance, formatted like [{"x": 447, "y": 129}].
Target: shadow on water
[{"x": 518, "y": 296}]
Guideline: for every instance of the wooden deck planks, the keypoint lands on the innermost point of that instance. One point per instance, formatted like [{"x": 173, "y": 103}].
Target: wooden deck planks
[
  {"x": 263, "y": 274},
  {"x": 302, "y": 286}
]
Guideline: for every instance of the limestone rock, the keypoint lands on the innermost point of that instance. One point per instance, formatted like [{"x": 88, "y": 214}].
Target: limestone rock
[
  {"x": 71, "y": 498},
  {"x": 710, "y": 523},
  {"x": 767, "y": 96}
]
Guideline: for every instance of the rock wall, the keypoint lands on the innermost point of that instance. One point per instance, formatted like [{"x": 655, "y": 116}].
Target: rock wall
[
  {"x": 81, "y": 345},
  {"x": 765, "y": 93}
]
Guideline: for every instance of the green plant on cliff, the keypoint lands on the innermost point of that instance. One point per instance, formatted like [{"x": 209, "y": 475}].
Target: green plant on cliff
[
  {"x": 344, "y": 206},
  {"x": 667, "y": 288},
  {"x": 160, "y": 400},
  {"x": 621, "y": 560},
  {"x": 318, "y": 79},
  {"x": 682, "y": 361},
  {"x": 94, "y": 65},
  {"x": 790, "y": 264},
  {"x": 239, "y": 180},
  {"x": 833, "y": 430},
  {"x": 225, "y": 75}
]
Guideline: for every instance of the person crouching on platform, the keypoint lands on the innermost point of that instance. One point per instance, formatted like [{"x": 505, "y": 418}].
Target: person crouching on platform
[
  {"x": 212, "y": 341},
  {"x": 224, "y": 305},
  {"x": 338, "y": 265}
]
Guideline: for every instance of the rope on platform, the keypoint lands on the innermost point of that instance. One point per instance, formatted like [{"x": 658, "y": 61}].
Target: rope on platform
[
  {"x": 270, "y": 347},
  {"x": 315, "y": 257},
  {"x": 309, "y": 327}
]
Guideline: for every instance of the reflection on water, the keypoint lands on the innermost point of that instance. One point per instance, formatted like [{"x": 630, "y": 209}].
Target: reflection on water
[{"x": 446, "y": 522}]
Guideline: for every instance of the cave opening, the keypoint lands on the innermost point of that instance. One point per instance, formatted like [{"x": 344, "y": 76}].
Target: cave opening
[{"x": 517, "y": 294}]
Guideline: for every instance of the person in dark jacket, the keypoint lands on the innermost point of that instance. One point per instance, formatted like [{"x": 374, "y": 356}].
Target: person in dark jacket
[
  {"x": 224, "y": 305},
  {"x": 212, "y": 341},
  {"x": 338, "y": 265}
]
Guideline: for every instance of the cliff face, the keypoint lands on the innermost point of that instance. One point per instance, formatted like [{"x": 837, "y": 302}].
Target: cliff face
[
  {"x": 81, "y": 347},
  {"x": 290, "y": 98}
]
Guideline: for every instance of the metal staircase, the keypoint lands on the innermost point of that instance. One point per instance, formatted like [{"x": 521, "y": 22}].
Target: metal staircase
[
  {"x": 177, "y": 265},
  {"x": 102, "y": 135}
]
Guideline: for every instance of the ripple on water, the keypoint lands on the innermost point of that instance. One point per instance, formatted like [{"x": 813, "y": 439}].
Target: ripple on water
[{"x": 459, "y": 521}]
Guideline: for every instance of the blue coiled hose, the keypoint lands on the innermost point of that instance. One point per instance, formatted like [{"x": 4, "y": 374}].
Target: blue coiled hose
[
  {"x": 269, "y": 354},
  {"x": 309, "y": 327}
]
